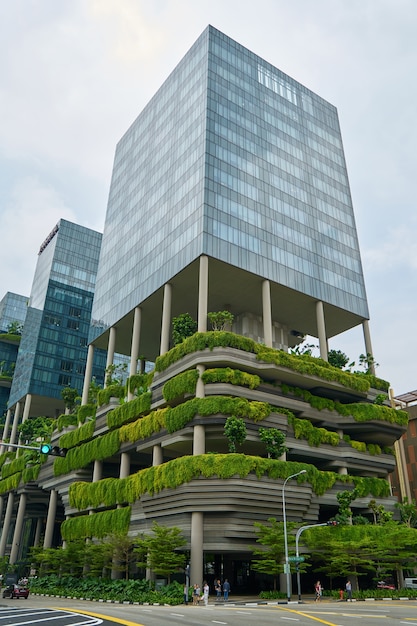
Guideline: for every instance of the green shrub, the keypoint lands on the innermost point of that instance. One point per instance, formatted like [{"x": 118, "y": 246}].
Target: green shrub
[
  {"x": 181, "y": 384},
  {"x": 231, "y": 376},
  {"x": 111, "y": 391},
  {"x": 98, "y": 525},
  {"x": 129, "y": 411},
  {"x": 75, "y": 437}
]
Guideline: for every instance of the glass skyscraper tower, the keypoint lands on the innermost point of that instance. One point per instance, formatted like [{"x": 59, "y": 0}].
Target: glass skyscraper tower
[
  {"x": 238, "y": 163},
  {"x": 53, "y": 346}
]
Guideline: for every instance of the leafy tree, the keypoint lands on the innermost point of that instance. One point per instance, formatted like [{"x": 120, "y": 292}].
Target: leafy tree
[
  {"x": 408, "y": 512},
  {"x": 271, "y": 556},
  {"x": 116, "y": 374},
  {"x": 274, "y": 439},
  {"x": 34, "y": 428},
  {"x": 368, "y": 362},
  {"x": 345, "y": 499},
  {"x": 159, "y": 551},
  {"x": 303, "y": 348},
  {"x": 120, "y": 546},
  {"x": 220, "y": 319},
  {"x": 337, "y": 358},
  {"x": 381, "y": 516},
  {"x": 70, "y": 397},
  {"x": 183, "y": 326},
  {"x": 15, "y": 328},
  {"x": 235, "y": 431},
  {"x": 93, "y": 390}
]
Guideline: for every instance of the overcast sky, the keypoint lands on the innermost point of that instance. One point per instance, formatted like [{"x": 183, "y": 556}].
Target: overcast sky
[{"x": 74, "y": 74}]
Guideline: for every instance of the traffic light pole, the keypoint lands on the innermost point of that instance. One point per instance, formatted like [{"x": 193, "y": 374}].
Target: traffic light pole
[
  {"x": 297, "y": 537},
  {"x": 18, "y": 445}
]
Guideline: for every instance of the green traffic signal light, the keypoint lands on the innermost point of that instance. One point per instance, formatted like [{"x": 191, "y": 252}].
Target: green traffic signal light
[{"x": 46, "y": 448}]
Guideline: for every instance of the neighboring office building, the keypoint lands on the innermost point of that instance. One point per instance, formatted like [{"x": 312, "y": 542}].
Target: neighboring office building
[
  {"x": 13, "y": 309},
  {"x": 53, "y": 347},
  {"x": 404, "y": 479},
  {"x": 229, "y": 191}
]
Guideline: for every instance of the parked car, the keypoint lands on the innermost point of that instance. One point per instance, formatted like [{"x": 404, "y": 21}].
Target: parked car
[
  {"x": 383, "y": 585},
  {"x": 16, "y": 591}
]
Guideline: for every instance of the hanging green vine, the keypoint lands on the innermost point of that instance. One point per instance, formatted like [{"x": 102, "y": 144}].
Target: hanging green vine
[
  {"x": 10, "y": 483},
  {"x": 144, "y": 427},
  {"x": 129, "y": 411},
  {"x": 304, "y": 429},
  {"x": 85, "y": 411},
  {"x": 98, "y": 525},
  {"x": 181, "y": 384},
  {"x": 112, "y": 391},
  {"x": 75, "y": 437},
  {"x": 98, "y": 449},
  {"x": 112, "y": 491},
  {"x": 360, "y": 411},
  {"x": 70, "y": 419},
  {"x": 231, "y": 376},
  {"x": 177, "y": 417}
]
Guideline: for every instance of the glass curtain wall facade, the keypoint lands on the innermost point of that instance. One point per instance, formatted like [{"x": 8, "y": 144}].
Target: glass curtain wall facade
[
  {"x": 237, "y": 161},
  {"x": 13, "y": 309},
  {"x": 53, "y": 348}
]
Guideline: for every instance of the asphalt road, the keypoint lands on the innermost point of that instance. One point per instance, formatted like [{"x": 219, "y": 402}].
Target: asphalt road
[{"x": 63, "y": 612}]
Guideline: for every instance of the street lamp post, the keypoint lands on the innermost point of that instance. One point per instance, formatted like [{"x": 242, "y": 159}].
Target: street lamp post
[
  {"x": 284, "y": 516},
  {"x": 297, "y": 537}
]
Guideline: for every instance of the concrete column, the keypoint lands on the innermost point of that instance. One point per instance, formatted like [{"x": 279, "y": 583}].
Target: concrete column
[
  {"x": 134, "y": 350},
  {"x": 199, "y": 439},
  {"x": 343, "y": 470},
  {"x": 267, "y": 313},
  {"x": 88, "y": 374},
  {"x": 6, "y": 523},
  {"x": 1, "y": 508},
  {"x": 321, "y": 330},
  {"x": 97, "y": 471},
  {"x": 17, "y": 535},
  {"x": 404, "y": 483},
  {"x": 38, "y": 532},
  {"x": 110, "y": 351},
  {"x": 157, "y": 455},
  {"x": 199, "y": 431},
  {"x": 6, "y": 429},
  {"x": 13, "y": 436},
  {"x": 50, "y": 520},
  {"x": 166, "y": 318},
  {"x": 200, "y": 390},
  {"x": 368, "y": 344},
  {"x": 26, "y": 409},
  {"x": 124, "y": 465},
  {"x": 197, "y": 535},
  {"x": 202, "y": 294}
]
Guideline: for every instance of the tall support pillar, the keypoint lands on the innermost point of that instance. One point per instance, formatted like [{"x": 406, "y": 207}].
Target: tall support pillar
[
  {"x": 368, "y": 344},
  {"x": 157, "y": 455},
  {"x": 15, "y": 425},
  {"x": 17, "y": 535},
  {"x": 124, "y": 465},
  {"x": 6, "y": 429},
  {"x": 134, "y": 350},
  {"x": 6, "y": 523},
  {"x": 97, "y": 471},
  {"x": 166, "y": 319},
  {"x": 88, "y": 374},
  {"x": 110, "y": 351},
  {"x": 38, "y": 532},
  {"x": 197, "y": 535},
  {"x": 267, "y": 313},
  {"x": 26, "y": 408},
  {"x": 199, "y": 432},
  {"x": 321, "y": 330},
  {"x": 202, "y": 294},
  {"x": 50, "y": 520}
]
